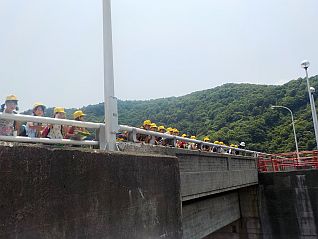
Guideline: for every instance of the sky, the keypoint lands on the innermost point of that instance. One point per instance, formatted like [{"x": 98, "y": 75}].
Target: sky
[{"x": 51, "y": 51}]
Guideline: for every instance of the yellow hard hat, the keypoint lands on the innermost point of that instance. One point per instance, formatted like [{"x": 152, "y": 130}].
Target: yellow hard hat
[
  {"x": 11, "y": 98},
  {"x": 147, "y": 122},
  {"x": 216, "y": 142},
  {"x": 232, "y": 145},
  {"x": 206, "y": 139},
  {"x": 153, "y": 125},
  {"x": 175, "y": 130},
  {"x": 161, "y": 127},
  {"x": 221, "y": 143},
  {"x": 184, "y": 135},
  {"x": 236, "y": 146},
  {"x": 193, "y": 137},
  {"x": 37, "y": 104},
  {"x": 59, "y": 110},
  {"x": 169, "y": 129},
  {"x": 78, "y": 114}
]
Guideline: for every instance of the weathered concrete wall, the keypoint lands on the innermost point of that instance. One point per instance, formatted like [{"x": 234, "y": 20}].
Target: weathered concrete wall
[
  {"x": 289, "y": 204},
  {"x": 54, "y": 193},
  {"x": 248, "y": 226},
  {"x": 210, "y": 184},
  {"x": 203, "y": 173},
  {"x": 202, "y": 217}
]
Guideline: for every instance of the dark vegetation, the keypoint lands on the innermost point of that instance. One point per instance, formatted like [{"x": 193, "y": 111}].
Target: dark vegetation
[{"x": 231, "y": 112}]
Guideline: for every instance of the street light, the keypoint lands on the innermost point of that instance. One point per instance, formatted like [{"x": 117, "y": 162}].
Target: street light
[
  {"x": 305, "y": 64},
  {"x": 293, "y": 123}
]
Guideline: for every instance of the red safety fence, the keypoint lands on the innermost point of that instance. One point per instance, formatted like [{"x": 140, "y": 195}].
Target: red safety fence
[{"x": 288, "y": 161}]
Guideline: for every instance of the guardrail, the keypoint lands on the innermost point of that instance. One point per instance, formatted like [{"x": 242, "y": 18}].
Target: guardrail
[
  {"x": 100, "y": 127},
  {"x": 288, "y": 161},
  {"x": 47, "y": 120}
]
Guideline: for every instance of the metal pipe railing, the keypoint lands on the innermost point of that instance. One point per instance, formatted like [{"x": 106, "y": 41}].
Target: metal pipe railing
[
  {"x": 22, "y": 139},
  {"x": 48, "y": 120},
  {"x": 169, "y": 136},
  {"x": 100, "y": 127}
]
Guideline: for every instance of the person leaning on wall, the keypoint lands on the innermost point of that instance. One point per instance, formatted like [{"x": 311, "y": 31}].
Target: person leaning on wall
[
  {"x": 77, "y": 133},
  {"x": 34, "y": 130}
]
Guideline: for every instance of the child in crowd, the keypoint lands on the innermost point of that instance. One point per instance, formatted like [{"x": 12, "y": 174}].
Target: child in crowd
[
  {"x": 77, "y": 133},
  {"x": 8, "y": 127},
  {"x": 206, "y": 147},
  {"x": 56, "y": 131},
  {"x": 192, "y": 146},
  {"x": 143, "y": 137},
  {"x": 34, "y": 130},
  {"x": 182, "y": 144}
]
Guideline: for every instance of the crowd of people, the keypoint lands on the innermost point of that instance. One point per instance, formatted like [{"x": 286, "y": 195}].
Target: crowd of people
[
  {"x": 56, "y": 131},
  {"x": 219, "y": 146},
  {"x": 39, "y": 130}
]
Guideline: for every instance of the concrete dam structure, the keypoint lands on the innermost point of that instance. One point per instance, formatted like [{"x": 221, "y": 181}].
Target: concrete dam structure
[{"x": 149, "y": 192}]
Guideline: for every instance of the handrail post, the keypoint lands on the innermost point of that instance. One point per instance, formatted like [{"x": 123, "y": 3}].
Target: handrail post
[{"x": 101, "y": 137}]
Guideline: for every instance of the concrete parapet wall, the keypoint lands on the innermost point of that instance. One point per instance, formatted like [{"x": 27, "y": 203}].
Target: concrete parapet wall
[
  {"x": 60, "y": 193},
  {"x": 205, "y": 173},
  {"x": 288, "y": 204}
]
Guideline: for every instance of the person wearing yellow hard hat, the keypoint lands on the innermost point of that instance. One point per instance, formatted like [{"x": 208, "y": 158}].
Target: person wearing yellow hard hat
[
  {"x": 216, "y": 147},
  {"x": 9, "y": 127},
  {"x": 159, "y": 140},
  {"x": 10, "y": 105},
  {"x": 77, "y": 133},
  {"x": 182, "y": 144},
  {"x": 169, "y": 130},
  {"x": 143, "y": 137},
  {"x": 231, "y": 150},
  {"x": 78, "y": 115},
  {"x": 206, "y": 147},
  {"x": 147, "y": 124},
  {"x": 59, "y": 113},
  {"x": 192, "y": 145},
  {"x": 169, "y": 141},
  {"x": 221, "y": 149},
  {"x": 175, "y": 132},
  {"x": 161, "y": 129},
  {"x": 33, "y": 129},
  {"x": 153, "y": 127},
  {"x": 55, "y": 131}
]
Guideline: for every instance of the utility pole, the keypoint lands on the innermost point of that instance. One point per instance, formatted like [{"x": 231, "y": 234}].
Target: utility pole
[{"x": 110, "y": 101}]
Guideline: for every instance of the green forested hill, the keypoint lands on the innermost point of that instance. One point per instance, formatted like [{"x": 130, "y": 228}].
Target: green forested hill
[{"x": 231, "y": 112}]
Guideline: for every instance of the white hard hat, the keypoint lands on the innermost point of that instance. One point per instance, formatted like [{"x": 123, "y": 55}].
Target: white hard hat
[{"x": 242, "y": 144}]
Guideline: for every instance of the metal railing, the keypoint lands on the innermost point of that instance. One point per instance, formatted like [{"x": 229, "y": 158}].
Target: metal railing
[
  {"x": 288, "y": 161},
  {"x": 134, "y": 131},
  {"x": 47, "y": 120},
  {"x": 100, "y": 139}
]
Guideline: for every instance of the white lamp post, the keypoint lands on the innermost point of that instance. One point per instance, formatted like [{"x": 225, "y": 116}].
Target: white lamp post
[
  {"x": 293, "y": 123},
  {"x": 111, "y": 115},
  {"x": 305, "y": 64}
]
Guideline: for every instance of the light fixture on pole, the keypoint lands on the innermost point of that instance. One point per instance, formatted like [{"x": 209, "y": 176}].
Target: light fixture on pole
[
  {"x": 305, "y": 64},
  {"x": 293, "y": 123},
  {"x": 110, "y": 101}
]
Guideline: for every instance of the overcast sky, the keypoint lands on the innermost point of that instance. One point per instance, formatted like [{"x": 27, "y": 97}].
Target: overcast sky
[{"x": 51, "y": 50}]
